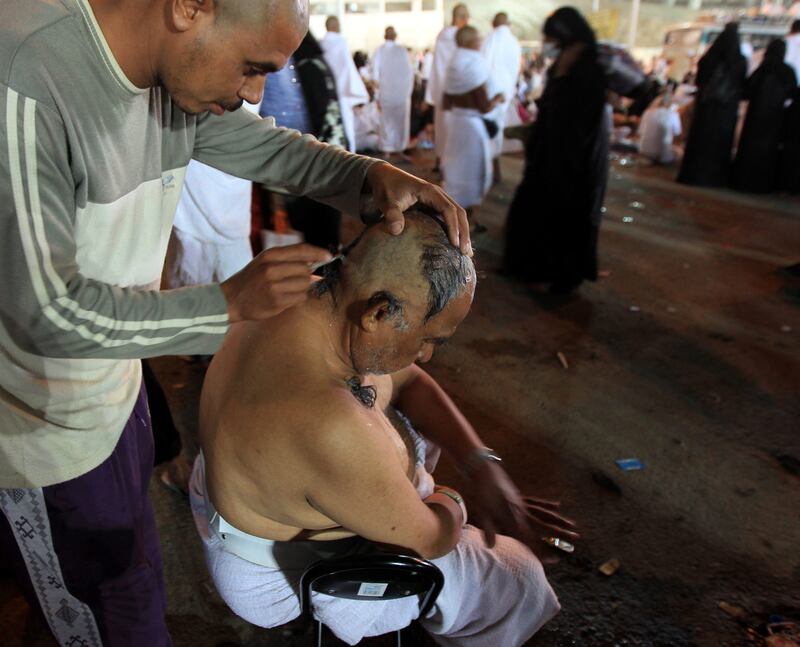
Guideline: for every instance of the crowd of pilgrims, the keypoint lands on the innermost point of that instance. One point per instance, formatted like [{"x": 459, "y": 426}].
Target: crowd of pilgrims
[{"x": 721, "y": 125}]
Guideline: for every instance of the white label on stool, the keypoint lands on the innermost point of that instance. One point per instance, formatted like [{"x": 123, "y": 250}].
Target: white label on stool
[{"x": 372, "y": 589}]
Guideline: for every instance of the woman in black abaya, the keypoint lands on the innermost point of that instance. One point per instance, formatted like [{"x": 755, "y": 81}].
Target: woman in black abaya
[
  {"x": 551, "y": 233},
  {"x": 789, "y": 173},
  {"x": 767, "y": 90},
  {"x": 721, "y": 75}
]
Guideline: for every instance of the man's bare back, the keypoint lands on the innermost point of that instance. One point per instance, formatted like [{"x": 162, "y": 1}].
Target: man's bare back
[{"x": 268, "y": 396}]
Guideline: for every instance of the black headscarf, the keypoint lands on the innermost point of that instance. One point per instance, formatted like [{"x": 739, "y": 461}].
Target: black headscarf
[
  {"x": 775, "y": 53},
  {"x": 725, "y": 49},
  {"x": 319, "y": 90},
  {"x": 568, "y": 26}
]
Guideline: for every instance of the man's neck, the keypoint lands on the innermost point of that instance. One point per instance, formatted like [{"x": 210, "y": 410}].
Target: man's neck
[
  {"x": 130, "y": 33},
  {"x": 334, "y": 333}
]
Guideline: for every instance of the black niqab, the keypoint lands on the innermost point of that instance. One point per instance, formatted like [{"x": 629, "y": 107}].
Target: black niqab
[{"x": 721, "y": 75}]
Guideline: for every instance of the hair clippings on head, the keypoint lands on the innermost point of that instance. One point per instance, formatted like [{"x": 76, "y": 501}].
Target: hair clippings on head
[{"x": 366, "y": 395}]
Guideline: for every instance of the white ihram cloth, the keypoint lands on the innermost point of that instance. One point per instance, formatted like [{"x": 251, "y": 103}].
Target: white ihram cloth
[
  {"x": 211, "y": 232},
  {"x": 467, "y": 158},
  {"x": 350, "y": 86},
  {"x": 391, "y": 68},
  {"x": 793, "y": 54},
  {"x": 497, "y": 596},
  {"x": 434, "y": 93},
  {"x": 504, "y": 56},
  {"x": 660, "y": 125},
  {"x": 427, "y": 66}
]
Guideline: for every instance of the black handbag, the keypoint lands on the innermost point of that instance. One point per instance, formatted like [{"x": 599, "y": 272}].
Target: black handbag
[{"x": 491, "y": 127}]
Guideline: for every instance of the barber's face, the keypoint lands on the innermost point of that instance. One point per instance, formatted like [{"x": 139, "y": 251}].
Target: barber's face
[
  {"x": 387, "y": 345},
  {"x": 213, "y": 66}
]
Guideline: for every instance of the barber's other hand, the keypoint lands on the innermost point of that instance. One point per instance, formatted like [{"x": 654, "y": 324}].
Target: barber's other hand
[
  {"x": 394, "y": 191},
  {"x": 498, "y": 507},
  {"x": 273, "y": 281}
]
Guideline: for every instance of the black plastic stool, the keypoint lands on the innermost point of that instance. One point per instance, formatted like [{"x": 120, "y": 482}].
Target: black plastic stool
[{"x": 378, "y": 576}]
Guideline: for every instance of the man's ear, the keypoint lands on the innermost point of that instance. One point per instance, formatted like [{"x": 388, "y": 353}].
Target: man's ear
[
  {"x": 382, "y": 308},
  {"x": 186, "y": 14}
]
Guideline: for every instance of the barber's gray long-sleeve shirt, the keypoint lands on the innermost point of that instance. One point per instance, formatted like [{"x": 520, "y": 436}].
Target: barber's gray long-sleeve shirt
[{"x": 91, "y": 168}]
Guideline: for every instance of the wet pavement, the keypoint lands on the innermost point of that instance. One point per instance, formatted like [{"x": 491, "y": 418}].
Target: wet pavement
[{"x": 684, "y": 355}]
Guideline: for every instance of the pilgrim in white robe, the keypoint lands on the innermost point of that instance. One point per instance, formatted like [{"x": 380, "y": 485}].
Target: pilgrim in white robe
[
  {"x": 659, "y": 126},
  {"x": 467, "y": 158},
  {"x": 504, "y": 56},
  {"x": 434, "y": 93},
  {"x": 793, "y": 54},
  {"x": 350, "y": 86},
  {"x": 391, "y": 68},
  {"x": 211, "y": 232}
]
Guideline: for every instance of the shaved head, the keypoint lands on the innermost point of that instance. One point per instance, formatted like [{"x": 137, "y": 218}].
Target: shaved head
[
  {"x": 235, "y": 12},
  {"x": 332, "y": 24},
  {"x": 500, "y": 19},
  {"x": 460, "y": 15},
  {"x": 466, "y": 37},
  {"x": 420, "y": 266},
  {"x": 399, "y": 297}
]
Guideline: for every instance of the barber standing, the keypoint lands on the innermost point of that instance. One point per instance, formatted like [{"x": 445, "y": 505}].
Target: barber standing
[{"x": 104, "y": 102}]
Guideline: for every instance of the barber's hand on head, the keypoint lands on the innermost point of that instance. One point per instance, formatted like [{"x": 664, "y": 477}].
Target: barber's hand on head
[
  {"x": 273, "y": 281},
  {"x": 394, "y": 191},
  {"x": 498, "y": 507}
]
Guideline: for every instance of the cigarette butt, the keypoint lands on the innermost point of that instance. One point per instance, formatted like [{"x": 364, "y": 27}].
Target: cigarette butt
[
  {"x": 610, "y": 567},
  {"x": 563, "y": 359},
  {"x": 732, "y": 610}
]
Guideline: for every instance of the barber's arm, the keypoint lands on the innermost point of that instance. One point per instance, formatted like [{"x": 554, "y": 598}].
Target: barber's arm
[
  {"x": 48, "y": 306},
  {"x": 496, "y": 503},
  {"x": 246, "y": 146}
]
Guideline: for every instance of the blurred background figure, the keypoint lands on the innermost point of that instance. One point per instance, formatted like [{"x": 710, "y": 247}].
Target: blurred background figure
[
  {"x": 767, "y": 91},
  {"x": 211, "y": 232},
  {"x": 426, "y": 67},
  {"x": 793, "y": 48},
  {"x": 361, "y": 61},
  {"x": 660, "y": 125},
  {"x": 721, "y": 75},
  {"x": 789, "y": 173},
  {"x": 467, "y": 158},
  {"x": 350, "y": 87},
  {"x": 504, "y": 55},
  {"x": 394, "y": 76},
  {"x": 553, "y": 222},
  {"x": 302, "y": 96},
  {"x": 442, "y": 53}
]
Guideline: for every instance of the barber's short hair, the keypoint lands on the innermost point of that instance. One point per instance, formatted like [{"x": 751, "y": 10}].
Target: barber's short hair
[
  {"x": 237, "y": 12},
  {"x": 465, "y": 35}
]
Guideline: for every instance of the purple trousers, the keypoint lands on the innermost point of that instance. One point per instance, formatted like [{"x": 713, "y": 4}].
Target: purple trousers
[{"x": 86, "y": 551}]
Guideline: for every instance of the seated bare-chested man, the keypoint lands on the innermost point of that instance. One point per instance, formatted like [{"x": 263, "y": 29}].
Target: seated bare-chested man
[{"x": 305, "y": 456}]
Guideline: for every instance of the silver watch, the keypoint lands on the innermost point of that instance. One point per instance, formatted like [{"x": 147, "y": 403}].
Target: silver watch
[{"x": 477, "y": 458}]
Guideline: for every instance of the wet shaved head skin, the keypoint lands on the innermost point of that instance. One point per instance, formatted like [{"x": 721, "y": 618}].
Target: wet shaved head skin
[{"x": 421, "y": 282}]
